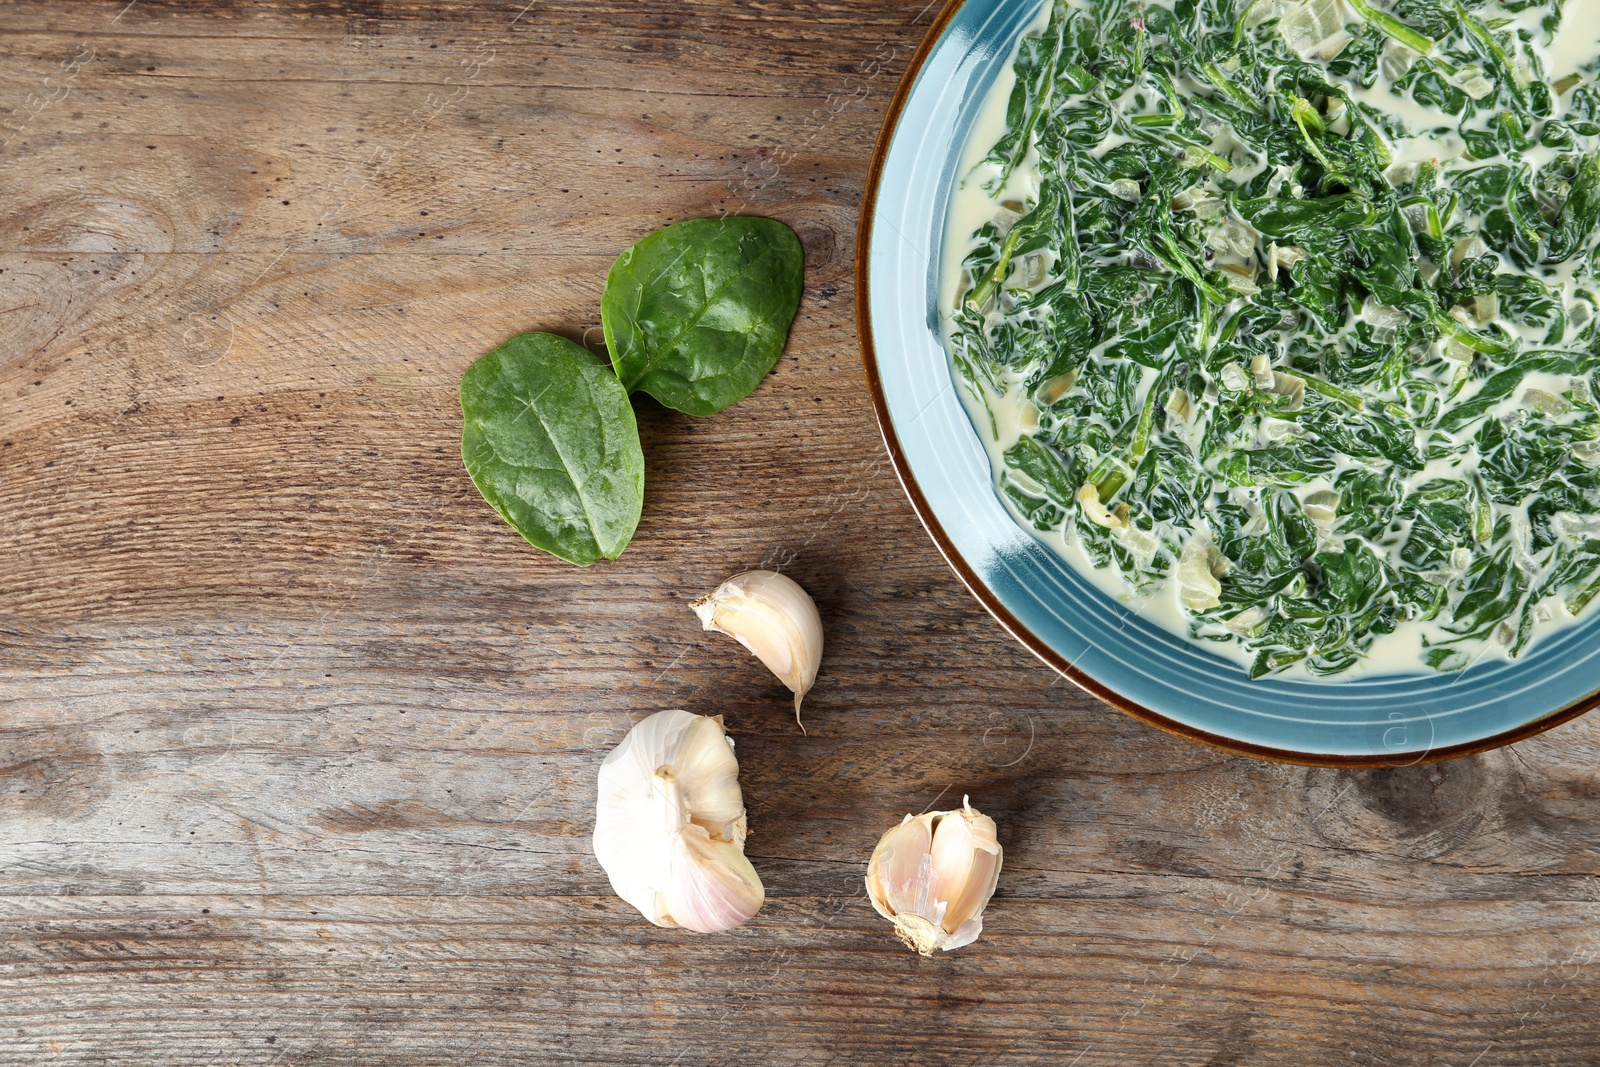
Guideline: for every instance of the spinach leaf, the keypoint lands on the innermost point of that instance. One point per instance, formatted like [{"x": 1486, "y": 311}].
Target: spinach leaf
[
  {"x": 1041, "y": 464},
  {"x": 1324, "y": 218},
  {"x": 1579, "y": 216},
  {"x": 697, "y": 313},
  {"x": 549, "y": 439}
]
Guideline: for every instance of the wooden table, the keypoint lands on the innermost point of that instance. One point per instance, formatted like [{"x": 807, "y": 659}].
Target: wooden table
[{"x": 299, "y": 741}]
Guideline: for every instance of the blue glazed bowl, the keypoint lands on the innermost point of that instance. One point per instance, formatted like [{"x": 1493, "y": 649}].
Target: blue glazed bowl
[{"x": 1113, "y": 653}]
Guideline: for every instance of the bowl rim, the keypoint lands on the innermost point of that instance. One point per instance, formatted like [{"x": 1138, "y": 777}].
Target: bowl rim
[{"x": 986, "y": 596}]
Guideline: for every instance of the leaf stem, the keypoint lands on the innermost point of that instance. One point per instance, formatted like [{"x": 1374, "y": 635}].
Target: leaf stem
[
  {"x": 1474, "y": 340},
  {"x": 991, "y": 280},
  {"x": 1498, "y": 54},
  {"x": 1584, "y": 595},
  {"x": 1226, "y": 86},
  {"x": 1238, "y": 27},
  {"x": 1393, "y": 27},
  {"x": 1482, "y": 511},
  {"x": 1108, "y": 476},
  {"x": 1208, "y": 318},
  {"x": 1141, "y": 432},
  {"x": 1209, "y": 158},
  {"x": 1350, "y": 400},
  {"x": 1025, "y": 138},
  {"x": 1306, "y": 117},
  {"x": 1179, "y": 260}
]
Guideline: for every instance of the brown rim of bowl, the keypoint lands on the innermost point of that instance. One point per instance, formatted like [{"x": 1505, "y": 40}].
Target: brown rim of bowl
[{"x": 992, "y": 603}]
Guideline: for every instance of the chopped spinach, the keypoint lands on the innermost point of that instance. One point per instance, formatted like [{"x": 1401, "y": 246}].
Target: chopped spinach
[{"x": 1300, "y": 315}]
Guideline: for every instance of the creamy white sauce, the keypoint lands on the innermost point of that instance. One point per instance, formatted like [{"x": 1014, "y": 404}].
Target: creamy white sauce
[
  {"x": 1002, "y": 419},
  {"x": 1574, "y": 46}
]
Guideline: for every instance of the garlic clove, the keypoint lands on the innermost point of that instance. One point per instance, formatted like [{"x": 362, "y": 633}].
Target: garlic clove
[
  {"x": 934, "y": 874},
  {"x": 714, "y": 884},
  {"x": 898, "y": 875},
  {"x": 966, "y": 867},
  {"x": 772, "y": 617},
  {"x": 670, "y": 824}
]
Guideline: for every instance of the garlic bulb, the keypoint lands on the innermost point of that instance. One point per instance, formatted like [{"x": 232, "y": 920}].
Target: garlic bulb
[
  {"x": 670, "y": 824},
  {"x": 934, "y": 874},
  {"x": 770, "y": 615}
]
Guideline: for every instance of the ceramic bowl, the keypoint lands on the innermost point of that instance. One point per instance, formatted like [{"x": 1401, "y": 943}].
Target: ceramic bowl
[{"x": 1113, "y": 653}]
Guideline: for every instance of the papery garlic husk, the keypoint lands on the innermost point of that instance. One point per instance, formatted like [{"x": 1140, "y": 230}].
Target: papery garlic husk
[
  {"x": 769, "y": 614},
  {"x": 933, "y": 875},
  {"x": 669, "y": 827}
]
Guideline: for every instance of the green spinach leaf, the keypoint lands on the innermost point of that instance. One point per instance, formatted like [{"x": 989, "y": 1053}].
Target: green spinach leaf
[
  {"x": 550, "y": 440},
  {"x": 697, "y": 313}
]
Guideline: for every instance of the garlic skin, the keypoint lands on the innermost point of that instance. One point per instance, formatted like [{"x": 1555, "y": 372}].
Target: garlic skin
[
  {"x": 669, "y": 826},
  {"x": 933, "y": 875},
  {"x": 771, "y": 616}
]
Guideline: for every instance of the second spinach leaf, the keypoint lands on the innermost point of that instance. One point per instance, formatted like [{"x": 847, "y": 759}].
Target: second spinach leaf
[{"x": 697, "y": 313}]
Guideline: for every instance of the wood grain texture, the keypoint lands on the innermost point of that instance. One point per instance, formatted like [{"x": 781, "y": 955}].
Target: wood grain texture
[{"x": 298, "y": 741}]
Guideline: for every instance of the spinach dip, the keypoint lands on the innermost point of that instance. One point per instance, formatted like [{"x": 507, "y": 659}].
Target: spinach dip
[{"x": 1280, "y": 318}]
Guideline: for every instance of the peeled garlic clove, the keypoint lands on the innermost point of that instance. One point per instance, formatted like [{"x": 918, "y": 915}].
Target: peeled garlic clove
[
  {"x": 670, "y": 824},
  {"x": 933, "y": 875},
  {"x": 770, "y": 615}
]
